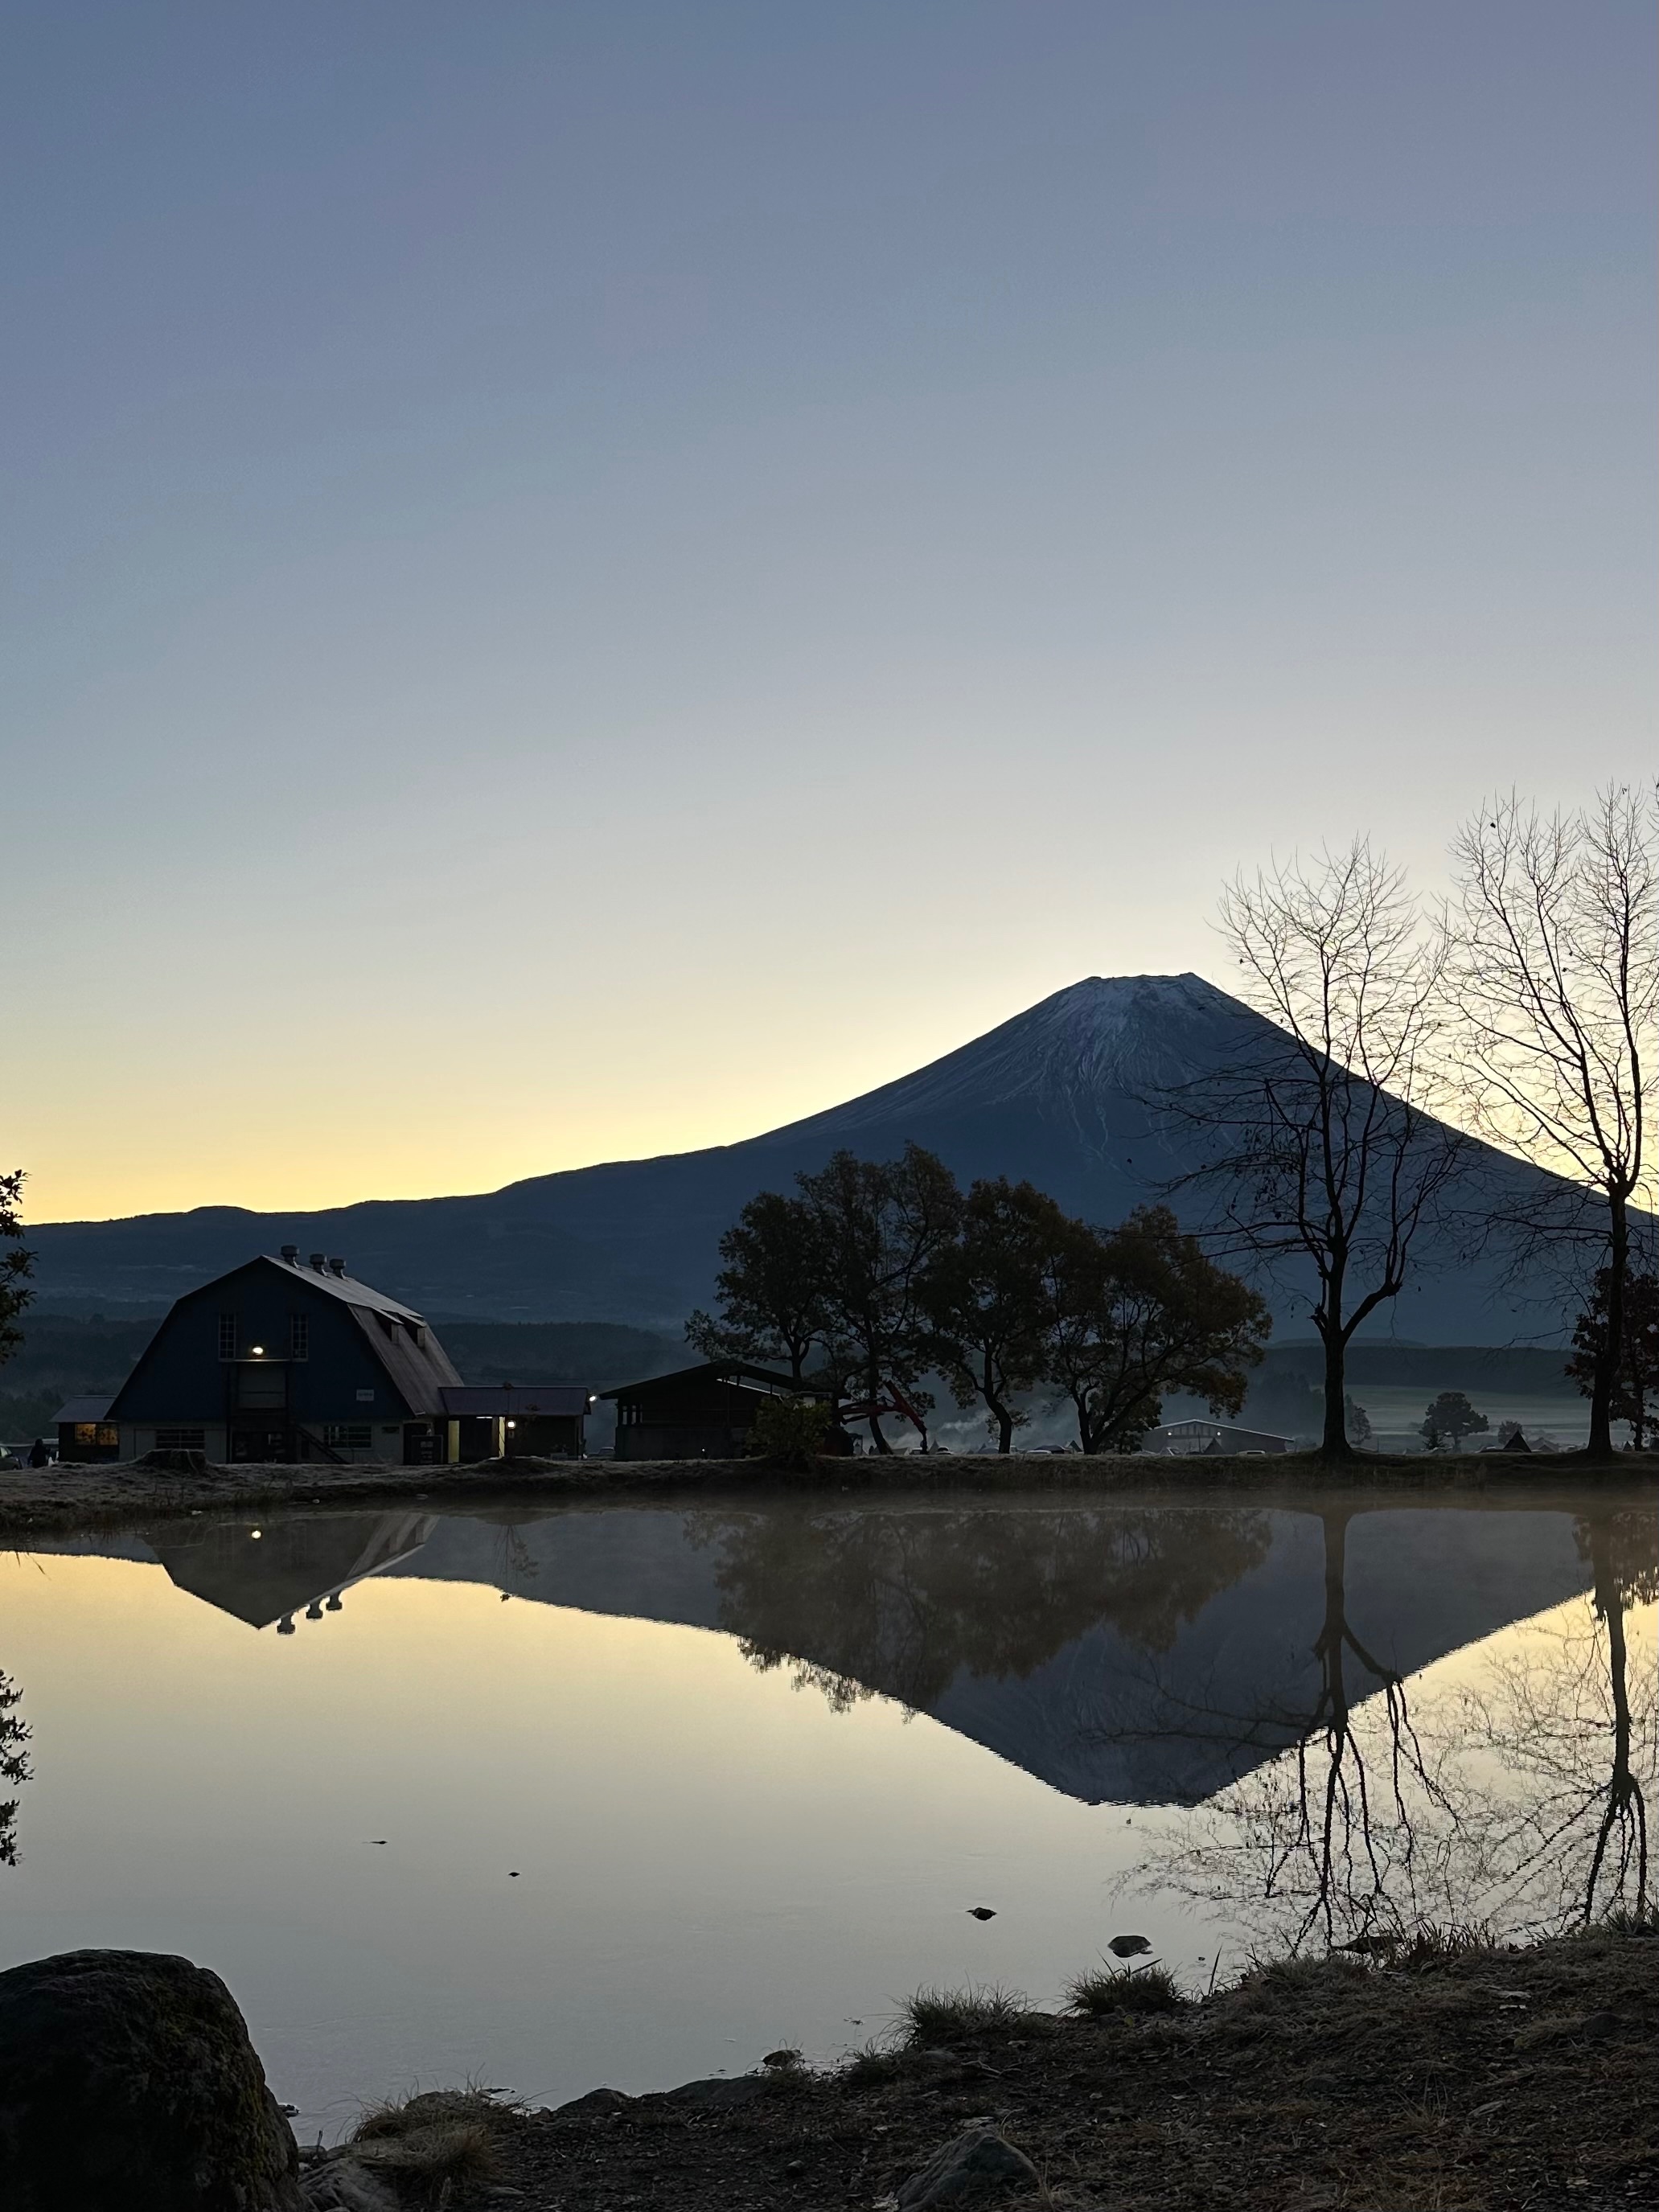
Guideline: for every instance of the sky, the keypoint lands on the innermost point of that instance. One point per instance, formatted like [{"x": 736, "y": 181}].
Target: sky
[{"x": 585, "y": 579}]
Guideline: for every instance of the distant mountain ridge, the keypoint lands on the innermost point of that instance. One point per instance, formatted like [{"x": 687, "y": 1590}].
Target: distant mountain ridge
[{"x": 1052, "y": 1094}]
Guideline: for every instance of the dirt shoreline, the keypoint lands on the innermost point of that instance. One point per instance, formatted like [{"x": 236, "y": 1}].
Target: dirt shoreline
[
  {"x": 57, "y": 1500},
  {"x": 1468, "y": 2080}
]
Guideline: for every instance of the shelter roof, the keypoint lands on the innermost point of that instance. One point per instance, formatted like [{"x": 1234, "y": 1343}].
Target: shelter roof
[
  {"x": 83, "y": 1409},
  {"x": 721, "y": 1371},
  {"x": 525, "y": 1398}
]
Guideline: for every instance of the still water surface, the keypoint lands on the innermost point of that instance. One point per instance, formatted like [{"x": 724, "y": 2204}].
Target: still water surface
[{"x": 629, "y": 1793}]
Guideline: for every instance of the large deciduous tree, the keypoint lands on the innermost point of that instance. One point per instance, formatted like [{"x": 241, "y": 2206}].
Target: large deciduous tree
[
  {"x": 1321, "y": 1158},
  {"x": 1137, "y": 1312},
  {"x": 771, "y": 1288},
  {"x": 985, "y": 1303},
  {"x": 1555, "y": 980},
  {"x": 882, "y": 1228}
]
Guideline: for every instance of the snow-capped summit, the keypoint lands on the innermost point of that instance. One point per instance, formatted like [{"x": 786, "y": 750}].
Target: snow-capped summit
[{"x": 1107, "y": 1035}]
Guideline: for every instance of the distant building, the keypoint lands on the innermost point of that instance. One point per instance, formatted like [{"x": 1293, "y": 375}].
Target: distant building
[
  {"x": 697, "y": 1412},
  {"x": 1217, "y": 1438},
  {"x": 287, "y": 1359}
]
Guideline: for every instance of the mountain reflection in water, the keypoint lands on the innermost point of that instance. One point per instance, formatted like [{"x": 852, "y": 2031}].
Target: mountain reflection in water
[{"x": 1286, "y": 1679}]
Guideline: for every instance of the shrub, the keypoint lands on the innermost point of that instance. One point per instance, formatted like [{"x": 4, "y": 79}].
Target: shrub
[{"x": 789, "y": 1432}]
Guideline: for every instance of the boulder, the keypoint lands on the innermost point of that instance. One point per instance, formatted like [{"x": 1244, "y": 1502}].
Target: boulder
[
  {"x": 974, "y": 2167},
  {"x": 597, "y": 2104},
  {"x": 720, "y": 2093},
  {"x": 128, "y": 2084}
]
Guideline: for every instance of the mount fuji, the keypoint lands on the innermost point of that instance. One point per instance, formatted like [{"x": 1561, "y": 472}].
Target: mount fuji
[{"x": 1052, "y": 1095}]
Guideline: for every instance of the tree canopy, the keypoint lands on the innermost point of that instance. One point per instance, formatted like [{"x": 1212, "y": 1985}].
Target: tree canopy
[
  {"x": 1451, "y": 1418},
  {"x": 885, "y": 1272}
]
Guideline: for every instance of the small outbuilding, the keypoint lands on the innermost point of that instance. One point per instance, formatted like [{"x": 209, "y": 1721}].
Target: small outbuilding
[
  {"x": 698, "y": 1413},
  {"x": 85, "y": 1430},
  {"x": 500, "y": 1420}
]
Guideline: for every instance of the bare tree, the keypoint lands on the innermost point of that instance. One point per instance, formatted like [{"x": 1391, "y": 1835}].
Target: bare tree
[
  {"x": 1323, "y": 1158},
  {"x": 1554, "y": 977}
]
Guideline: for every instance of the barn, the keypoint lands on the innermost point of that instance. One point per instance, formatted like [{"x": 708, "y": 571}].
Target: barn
[{"x": 286, "y": 1359}]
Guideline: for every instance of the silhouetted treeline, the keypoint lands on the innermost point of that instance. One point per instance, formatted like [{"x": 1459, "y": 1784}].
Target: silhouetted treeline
[{"x": 875, "y": 1273}]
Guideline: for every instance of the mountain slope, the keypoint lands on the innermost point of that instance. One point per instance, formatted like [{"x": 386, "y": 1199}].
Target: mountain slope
[{"x": 1051, "y": 1095}]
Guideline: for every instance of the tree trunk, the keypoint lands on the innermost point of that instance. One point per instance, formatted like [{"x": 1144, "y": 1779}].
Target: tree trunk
[
  {"x": 1623, "y": 1788},
  {"x": 1334, "y": 1443},
  {"x": 1611, "y": 1357},
  {"x": 1080, "y": 1406},
  {"x": 872, "y": 1388},
  {"x": 1333, "y": 1635}
]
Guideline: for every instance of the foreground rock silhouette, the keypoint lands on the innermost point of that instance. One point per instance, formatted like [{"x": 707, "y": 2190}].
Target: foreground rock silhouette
[{"x": 128, "y": 2084}]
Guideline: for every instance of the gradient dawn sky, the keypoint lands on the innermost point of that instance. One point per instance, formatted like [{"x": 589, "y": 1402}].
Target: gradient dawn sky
[{"x": 583, "y": 580}]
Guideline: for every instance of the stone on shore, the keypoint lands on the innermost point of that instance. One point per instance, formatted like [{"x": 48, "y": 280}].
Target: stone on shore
[
  {"x": 977, "y": 2165},
  {"x": 128, "y": 2084}
]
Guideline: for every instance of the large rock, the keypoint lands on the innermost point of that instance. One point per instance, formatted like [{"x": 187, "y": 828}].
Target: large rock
[
  {"x": 128, "y": 2084},
  {"x": 974, "y": 2167}
]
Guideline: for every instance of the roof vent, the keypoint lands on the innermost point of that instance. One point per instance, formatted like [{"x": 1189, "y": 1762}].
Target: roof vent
[
  {"x": 291, "y": 1254},
  {"x": 318, "y": 1262},
  {"x": 336, "y": 1266}
]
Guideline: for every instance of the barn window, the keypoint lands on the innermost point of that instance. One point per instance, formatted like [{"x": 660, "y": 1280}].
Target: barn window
[
  {"x": 299, "y": 1336},
  {"x": 180, "y": 1439},
  {"x": 230, "y": 1335},
  {"x": 347, "y": 1436}
]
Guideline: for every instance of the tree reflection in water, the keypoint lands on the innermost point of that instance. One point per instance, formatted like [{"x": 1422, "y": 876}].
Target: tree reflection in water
[
  {"x": 900, "y": 1603},
  {"x": 1514, "y": 1800},
  {"x": 1563, "y": 1821},
  {"x": 14, "y": 1764}
]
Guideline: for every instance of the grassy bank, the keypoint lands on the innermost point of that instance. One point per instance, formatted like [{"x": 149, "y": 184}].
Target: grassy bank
[
  {"x": 1457, "y": 2076},
  {"x": 59, "y": 1500}
]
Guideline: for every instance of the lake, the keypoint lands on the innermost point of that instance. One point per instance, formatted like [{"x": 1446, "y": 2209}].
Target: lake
[{"x": 629, "y": 1793}]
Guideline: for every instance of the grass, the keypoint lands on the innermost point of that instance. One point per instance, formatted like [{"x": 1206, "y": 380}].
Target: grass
[
  {"x": 1297, "y": 1977},
  {"x": 935, "y": 2015},
  {"x": 431, "y": 2145},
  {"x": 1138, "y": 1990},
  {"x": 870, "y": 2064},
  {"x": 1430, "y": 1944}
]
